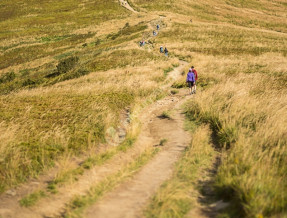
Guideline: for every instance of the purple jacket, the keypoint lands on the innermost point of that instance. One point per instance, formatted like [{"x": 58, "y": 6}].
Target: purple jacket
[{"x": 190, "y": 77}]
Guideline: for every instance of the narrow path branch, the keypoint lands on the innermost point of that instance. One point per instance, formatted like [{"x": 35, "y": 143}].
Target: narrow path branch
[{"x": 127, "y": 5}]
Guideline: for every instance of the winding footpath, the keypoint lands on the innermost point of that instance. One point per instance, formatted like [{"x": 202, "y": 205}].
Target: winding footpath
[
  {"x": 159, "y": 169},
  {"x": 129, "y": 199},
  {"x": 127, "y": 5},
  {"x": 131, "y": 196}
]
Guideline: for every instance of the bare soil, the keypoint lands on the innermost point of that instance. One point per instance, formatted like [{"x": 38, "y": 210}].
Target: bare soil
[{"x": 130, "y": 197}]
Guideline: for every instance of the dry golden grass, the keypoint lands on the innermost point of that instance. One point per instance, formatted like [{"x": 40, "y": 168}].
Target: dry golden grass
[
  {"x": 238, "y": 48},
  {"x": 42, "y": 124},
  {"x": 247, "y": 110},
  {"x": 240, "y": 55}
]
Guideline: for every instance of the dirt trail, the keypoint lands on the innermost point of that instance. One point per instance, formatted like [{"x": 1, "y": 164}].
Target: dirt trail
[
  {"x": 54, "y": 205},
  {"x": 130, "y": 197},
  {"x": 127, "y": 5}
]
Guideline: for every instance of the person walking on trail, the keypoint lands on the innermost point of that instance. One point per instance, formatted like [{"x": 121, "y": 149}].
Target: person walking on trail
[
  {"x": 190, "y": 80},
  {"x": 165, "y": 51},
  {"x": 157, "y": 26},
  {"x": 161, "y": 49},
  {"x": 195, "y": 77}
]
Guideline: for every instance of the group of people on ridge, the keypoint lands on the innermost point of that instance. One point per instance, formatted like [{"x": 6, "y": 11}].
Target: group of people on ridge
[
  {"x": 165, "y": 51},
  {"x": 142, "y": 43},
  {"x": 191, "y": 80}
]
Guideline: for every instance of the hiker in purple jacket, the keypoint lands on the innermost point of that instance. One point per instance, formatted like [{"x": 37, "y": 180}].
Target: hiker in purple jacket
[{"x": 190, "y": 80}]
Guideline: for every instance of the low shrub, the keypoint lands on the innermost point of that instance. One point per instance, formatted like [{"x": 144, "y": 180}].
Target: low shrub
[
  {"x": 7, "y": 77},
  {"x": 67, "y": 64}
]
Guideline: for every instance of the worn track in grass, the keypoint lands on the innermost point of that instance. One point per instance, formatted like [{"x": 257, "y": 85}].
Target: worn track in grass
[
  {"x": 130, "y": 197},
  {"x": 54, "y": 205}
]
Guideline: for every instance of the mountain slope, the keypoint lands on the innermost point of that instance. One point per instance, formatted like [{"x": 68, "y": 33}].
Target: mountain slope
[{"x": 71, "y": 71}]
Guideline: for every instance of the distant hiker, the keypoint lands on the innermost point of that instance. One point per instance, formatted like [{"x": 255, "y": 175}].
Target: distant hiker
[
  {"x": 190, "y": 80},
  {"x": 165, "y": 51},
  {"x": 154, "y": 33},
  {"x": 157, "y": 26},
  {"x": 195, "y": 77},
  {"x": 161, "y": 49}
]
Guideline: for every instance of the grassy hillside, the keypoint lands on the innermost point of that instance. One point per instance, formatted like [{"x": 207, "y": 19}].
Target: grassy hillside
[
  {"x": 239, "y": 49},
  {"x": 42, "y": 117},
  {"x": 68, "y": 70}
]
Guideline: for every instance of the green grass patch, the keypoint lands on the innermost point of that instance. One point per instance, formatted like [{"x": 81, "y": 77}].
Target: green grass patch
[
  {"x": 102, "y": 158},
  {"x": 25, "y": 54},
  {"x": 179, "y": 84},
  {"x": 7, "y": 77},
  {"x": 66, "y": 69},
  {"x": 174, "y": 91},
  {"x": 32, "y": 199},
  {"x": 126, "y": 144},
  {"x": 68, "y": 176},
  {"x": 165, "y": 115},
  {"x": 98, "y": 160},
  {"x": 153, "y": 5},
  {"x": 167, "y": 70},
  {"x": 162, "y": 142},
  {"x": 121, "y": 58},
  {"x": 53, "y": 38},
  {"x": 128, "y": 30},
  {"x": 64, "y": 55}
]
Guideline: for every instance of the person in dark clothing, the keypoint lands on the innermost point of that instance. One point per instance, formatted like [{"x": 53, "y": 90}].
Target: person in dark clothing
[{"x": 165, "y": 51}]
